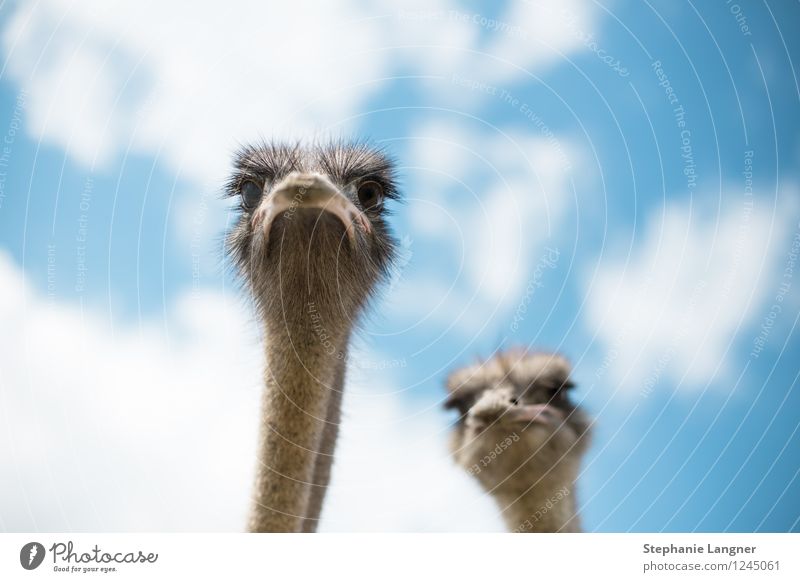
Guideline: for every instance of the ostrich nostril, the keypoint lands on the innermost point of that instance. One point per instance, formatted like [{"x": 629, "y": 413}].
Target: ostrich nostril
[{"x": 514, "y": 401}]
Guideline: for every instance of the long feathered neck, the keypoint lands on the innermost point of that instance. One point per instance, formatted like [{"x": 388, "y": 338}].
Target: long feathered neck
[
  {"x": 305, "y": 359},
  {"x": 537, "y": 503}
]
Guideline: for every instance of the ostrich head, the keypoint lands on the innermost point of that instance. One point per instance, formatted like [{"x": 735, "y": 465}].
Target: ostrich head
[
  {"x": 310, "y": 234},
  {"x": 518, "y": 425}
]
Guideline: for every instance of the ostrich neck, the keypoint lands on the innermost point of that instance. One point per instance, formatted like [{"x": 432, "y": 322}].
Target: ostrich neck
[
  {"x": 304, "y": 368},
  {"x": 324, "y": 462},
  {"x": 547, "y": 506}
]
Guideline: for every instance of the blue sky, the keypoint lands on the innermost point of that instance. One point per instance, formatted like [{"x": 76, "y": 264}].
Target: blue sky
[{"x": 616, "y": 181}]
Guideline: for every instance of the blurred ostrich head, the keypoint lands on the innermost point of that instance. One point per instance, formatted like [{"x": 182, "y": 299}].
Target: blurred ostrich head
[{"x": 519, "y": 432}]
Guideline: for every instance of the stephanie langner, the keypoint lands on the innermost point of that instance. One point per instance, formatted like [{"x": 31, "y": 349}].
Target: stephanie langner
[{"x": 698, "y": 549}]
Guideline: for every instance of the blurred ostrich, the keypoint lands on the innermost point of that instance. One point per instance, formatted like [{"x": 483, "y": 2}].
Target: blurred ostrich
[
  {"x": 311, "y": 243},
  {"x": 521, "y": 437}
]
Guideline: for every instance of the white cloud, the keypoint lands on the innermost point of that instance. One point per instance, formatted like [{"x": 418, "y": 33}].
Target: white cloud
[
  {"x": 520, "y": 41},
  {"x": 393, "y": 473},
  {"x": 546, "y": 32},
  {"x": 436, "y": 305},
  {"x": 444, "y": 151},
  {"x": 130, "y": 427},
  {"x": 152, "y": 427},
  {"x": 520, "y": 212},
  {"x": 695, "y": 282},
  {"x": 103, "y": 421},
  {"x": 508, "y": 201},
  {"x": 189, "y": 80}
]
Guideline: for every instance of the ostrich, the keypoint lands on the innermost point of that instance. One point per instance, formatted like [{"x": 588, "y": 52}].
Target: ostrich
[
  {"x": 521, "y": 436},
  {"x": 311, "y": 245}
]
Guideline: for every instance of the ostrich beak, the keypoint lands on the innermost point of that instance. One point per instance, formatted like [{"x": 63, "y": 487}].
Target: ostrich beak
[
  {"x": 543, "y": 413},
  {"x": 493, "y": 409},
  {"x": 301, "y": 191}
]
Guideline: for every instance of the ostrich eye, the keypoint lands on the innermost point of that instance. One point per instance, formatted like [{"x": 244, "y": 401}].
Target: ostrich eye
[
  {"x": 559, "y": 390},
  {"x": 251, "y": 194},
  {"x": 462, "y": 404},
  {"x": 370, "y": 194}
]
